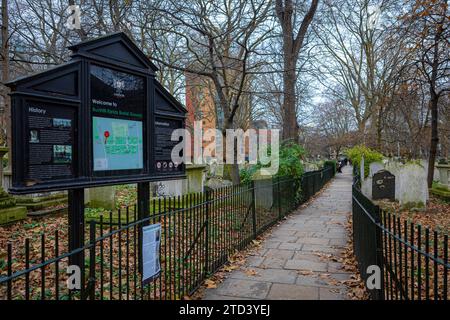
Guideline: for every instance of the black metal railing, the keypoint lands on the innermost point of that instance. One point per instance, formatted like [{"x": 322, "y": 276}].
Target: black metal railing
[
  {"x": 413, "y": 260},
  {"x": 199, "y": 232}
]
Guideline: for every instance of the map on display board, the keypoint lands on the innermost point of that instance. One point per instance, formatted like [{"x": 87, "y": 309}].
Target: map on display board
[
  {"x": 118, "y": 144},
  {"x": 118, "y": 101}
]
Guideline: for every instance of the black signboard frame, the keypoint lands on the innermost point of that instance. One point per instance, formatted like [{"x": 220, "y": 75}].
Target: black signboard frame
[{"x": 69, "y": 85}]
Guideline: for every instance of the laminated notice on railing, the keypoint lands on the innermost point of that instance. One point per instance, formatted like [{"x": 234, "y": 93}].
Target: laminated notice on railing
[{"x": 151, "y": 239}]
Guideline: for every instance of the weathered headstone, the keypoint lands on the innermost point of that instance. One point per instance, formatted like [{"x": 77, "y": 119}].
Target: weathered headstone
[
  {"x": 310, "y": 166},
  {"x": 366, "y": 187},
  {"x": 394, "y": 167},
  {"x": 374, "y": 167},
  {"x": 366, "y": 182},
  {"x": 101, "y": 197},
  {"x": 412, "y": 185},
  {"x": 195, "y": 182},
  {"x": 361, "y": 169},
  {"x": 169, "y": 188},
  {"x": 383, "y": 185},
  {"x": 444, "y": 174},
  {"x": 264, "y": 193}
]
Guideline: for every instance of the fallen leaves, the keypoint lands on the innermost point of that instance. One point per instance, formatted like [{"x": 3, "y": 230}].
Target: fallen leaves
[
  {"x": 355, "y": 285},
  {"x": 229, "y": 268},
  {"x": 251, "y": 272},
  {"x": 305, "y": 272},
  {"x": 436, "y": 216},
  {"x": 210, "y": 284}
]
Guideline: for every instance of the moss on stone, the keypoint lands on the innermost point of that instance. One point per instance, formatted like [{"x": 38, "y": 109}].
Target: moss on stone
[
  {"x": 12, "y": 214},
  {"x": 441, "y": 193}
]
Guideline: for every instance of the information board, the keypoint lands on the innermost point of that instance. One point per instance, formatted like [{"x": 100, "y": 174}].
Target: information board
[
  {"x": 151, "y": 239},
  {"x": 90, "y": 122},
  {"x": 118, "y": 102},
  {"x": 50, "y": 142},
  {"x": 164, "y": 145}
]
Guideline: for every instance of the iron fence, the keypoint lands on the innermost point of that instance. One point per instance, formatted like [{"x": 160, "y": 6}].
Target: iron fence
[
  {"x": 413, "y": 259},
  {"x": 199, "y": 232}
]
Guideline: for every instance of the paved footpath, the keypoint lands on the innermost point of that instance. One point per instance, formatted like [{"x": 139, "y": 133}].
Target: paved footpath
[{"x": 297, "y": 261}]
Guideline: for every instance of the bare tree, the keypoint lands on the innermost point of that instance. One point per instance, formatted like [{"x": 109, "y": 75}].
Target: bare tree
[
  {"x": 428, "y": 30},
  {"x": 362, "y": 59},
  {"x": 219, "y": 42},
  {"x": 335, "y": 124},
  {"x": 293, "y": 41}
]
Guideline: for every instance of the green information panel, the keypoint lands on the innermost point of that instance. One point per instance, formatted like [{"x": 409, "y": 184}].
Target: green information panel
[{"x": 117, "y": 144}]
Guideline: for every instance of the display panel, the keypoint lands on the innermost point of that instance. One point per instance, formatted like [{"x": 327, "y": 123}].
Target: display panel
[
  {"x": 118, "y": 115},
  {"x": 118, "y": 144},
  {"x": 50, "y": 141},
  {"x": 164, "y": 145}
]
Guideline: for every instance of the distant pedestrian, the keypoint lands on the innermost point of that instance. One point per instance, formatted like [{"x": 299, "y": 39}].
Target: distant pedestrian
[{"x": 339, "y": 166}]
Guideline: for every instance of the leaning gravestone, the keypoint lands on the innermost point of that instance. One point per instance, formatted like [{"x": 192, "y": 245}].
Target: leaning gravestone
[
  {"x": 383, "y": 185},
  {"x": 412, "y": 185}
]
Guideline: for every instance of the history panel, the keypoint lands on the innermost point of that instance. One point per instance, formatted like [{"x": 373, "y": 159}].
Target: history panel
[{"x": 51, "y": 139}]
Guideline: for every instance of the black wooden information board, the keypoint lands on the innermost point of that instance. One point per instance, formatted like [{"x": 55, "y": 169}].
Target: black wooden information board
[{"x": 100, "y": 119}]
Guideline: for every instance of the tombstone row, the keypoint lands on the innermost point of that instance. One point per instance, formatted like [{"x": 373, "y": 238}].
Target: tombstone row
[{"x": 392, "y": 180}]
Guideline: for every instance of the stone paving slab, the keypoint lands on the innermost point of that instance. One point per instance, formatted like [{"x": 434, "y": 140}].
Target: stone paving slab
[{"x": 295, "y": 261}]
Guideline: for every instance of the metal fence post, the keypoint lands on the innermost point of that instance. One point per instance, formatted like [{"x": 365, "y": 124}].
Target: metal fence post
[
  {"x": 279, "y": 198},
  {"x": 253, "y": 208},
  {"x": 207, "y": 192},
  {"x": 91, "y": 280},
  {"x": 379, "y": 249}
]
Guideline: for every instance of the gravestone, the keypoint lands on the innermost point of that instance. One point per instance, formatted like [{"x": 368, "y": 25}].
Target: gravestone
[
  {"x": 264, "y": 189},
  {"x": 366, "y": 182},
  {"x": 412, "y": 185},
  {"x": 374, "y": 167},
  {"x": 194, "y": 182},
  {"x": 361, "y": 169},
  {"x": 101, "y": 197},
  {"x": 310, "y": 166},
  {"x": 383, "y": 185},
  {"x": 366, "y": 187},
  {"x": 196, "y": 176},
  {"x": 394, "y": 167},
  {"x": 444, "y": 174}
]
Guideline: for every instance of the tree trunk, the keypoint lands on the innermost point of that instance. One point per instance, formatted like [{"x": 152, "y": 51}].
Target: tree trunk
[
  {"x": 231, "y": 170},
  {"x": 6, "y": 116},
  {"x": 290, "y": 126},
  {"x": 379, "y": 129},
  {"x": 434, "y": 137},
  {"x": 292, "y": 44},
  {"x": 434, "y": 101}
]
